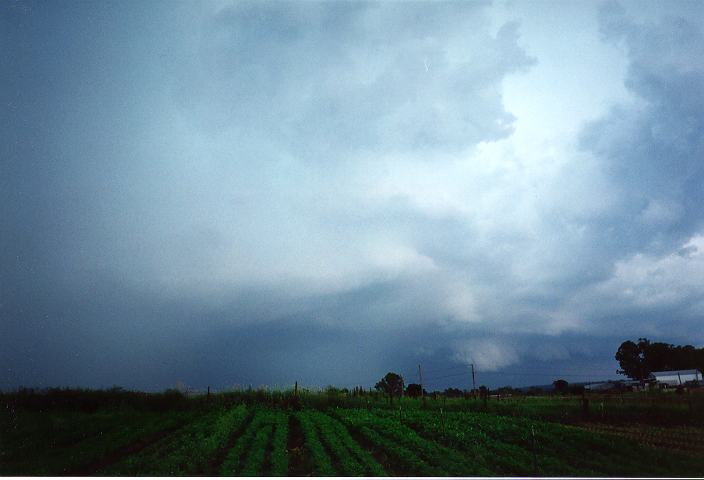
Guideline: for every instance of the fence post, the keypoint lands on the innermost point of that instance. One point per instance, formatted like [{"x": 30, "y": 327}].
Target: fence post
[
  {"x": 533, "y": 449},
  {"x": 442, "y": 421}
]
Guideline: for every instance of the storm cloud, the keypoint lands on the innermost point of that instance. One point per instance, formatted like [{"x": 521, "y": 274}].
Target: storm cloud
[{"x": 261, "y": 192}]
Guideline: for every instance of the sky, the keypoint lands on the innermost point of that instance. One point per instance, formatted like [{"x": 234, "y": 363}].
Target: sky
[{"x": 244, "y": 193}]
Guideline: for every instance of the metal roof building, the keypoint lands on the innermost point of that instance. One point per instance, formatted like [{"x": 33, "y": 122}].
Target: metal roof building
[{"x": 677, "y": 377}]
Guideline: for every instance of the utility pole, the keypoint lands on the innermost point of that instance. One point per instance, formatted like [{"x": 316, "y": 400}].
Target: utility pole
[
  {"x": 420, "y": 378},
  {"x": 474, "y": 382}
]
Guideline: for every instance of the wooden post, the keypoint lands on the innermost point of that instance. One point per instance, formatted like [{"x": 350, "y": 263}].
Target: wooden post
[
  {"x": 474, "y": 383},
  {"x": 295, "y": 389},
  {"x": 442, "y": 421},
  {"x": 533, "y": 449},
  {"x": 420, "y": 378},
  {"x": 208, "y": 392}
]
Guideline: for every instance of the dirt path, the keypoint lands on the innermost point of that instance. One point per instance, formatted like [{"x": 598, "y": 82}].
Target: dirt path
[{"x": 298, "y": 462}]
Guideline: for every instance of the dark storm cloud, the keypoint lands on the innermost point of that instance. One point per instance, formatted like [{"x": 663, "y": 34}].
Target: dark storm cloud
[
  {"x": 357, "y": 75},
  {"x": 259, "y": 193},
  {"x": 653, "y": 154},
  {"x": 654, "y": 150}
]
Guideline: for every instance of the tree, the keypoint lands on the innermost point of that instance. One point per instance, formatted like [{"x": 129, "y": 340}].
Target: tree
[
  {"x": 561, "y": 386},
  {"x": 631, "y": 360},
  {"x": 663, "y": 356},
  {"x": 414, "y": 390},
  {"x": 639, "y": 360},
  {"x": 453, "y": 392},
  {"x": 391, "y": 384},
  {"x": 507, "y": 390}
]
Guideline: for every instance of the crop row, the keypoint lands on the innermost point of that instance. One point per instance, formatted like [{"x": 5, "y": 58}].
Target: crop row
[
  {"x": 254, "y": 441},
  {"x": 418, "y": 455},
  {"x": 72, "y": 443},
  {"x": 485, "y": 449},
  {"x": 322, "y": 463},
  {"x": 261, "y": 449},
  {"x": 519, "y": 446},
  {"x": 187, "y": 452},
  {"x": 331, "y": 438}
]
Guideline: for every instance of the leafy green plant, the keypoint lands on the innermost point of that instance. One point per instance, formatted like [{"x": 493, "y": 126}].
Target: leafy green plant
[
  {"x": 520, "y": 446},
  {"x": 188, "y": 452},
  {"x": 430, "y": 451},
  {"x": 322, "y": 465},
  {"x": 59, "y": 443},
  {"x": 279, "y": 454},
  {"x": 408, "y": 461},
  {"x": 254, "y": 464},
  {"x": 333, "y": 429},
  {"x": 267, "y": 432}
]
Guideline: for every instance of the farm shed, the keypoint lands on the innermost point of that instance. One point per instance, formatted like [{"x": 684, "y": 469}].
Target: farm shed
[{"x": 675, "y": 378}]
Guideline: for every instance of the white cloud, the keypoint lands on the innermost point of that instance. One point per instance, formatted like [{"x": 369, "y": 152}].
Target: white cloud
[
  {"x": 645, "y": 281},
  {"x": 486, "y": 355},
  {"x": 326, "y": 160}
]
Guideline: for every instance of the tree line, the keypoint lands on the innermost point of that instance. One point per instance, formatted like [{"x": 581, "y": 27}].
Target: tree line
[{"x": 639, "y": 359}]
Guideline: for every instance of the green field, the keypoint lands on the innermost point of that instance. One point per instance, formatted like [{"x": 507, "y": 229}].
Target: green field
[{"x": 279, "y": 434}]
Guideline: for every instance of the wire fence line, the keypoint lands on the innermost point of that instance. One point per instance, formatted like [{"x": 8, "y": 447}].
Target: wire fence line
[{"x": 435, "y": 380}]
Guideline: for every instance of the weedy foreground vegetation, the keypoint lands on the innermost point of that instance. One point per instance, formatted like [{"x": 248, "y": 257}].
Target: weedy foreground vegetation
[{"x": 263, "y": 433}]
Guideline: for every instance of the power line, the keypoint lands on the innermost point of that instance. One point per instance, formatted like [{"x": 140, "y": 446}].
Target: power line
[
  {"x": 549, "y": 374},
  {"x": 449, "y": 376},
  {"x": 436, "y": 380},
  {"x": 447, "y": 369},
  {"x": 468, "y": 366}
]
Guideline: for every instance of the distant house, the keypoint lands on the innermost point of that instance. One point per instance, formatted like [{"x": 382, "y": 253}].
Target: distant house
[{"x": 675, "y": 378}]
